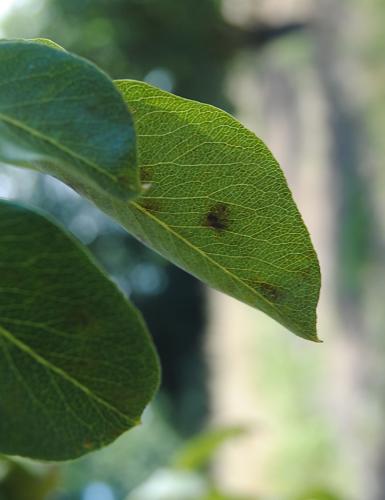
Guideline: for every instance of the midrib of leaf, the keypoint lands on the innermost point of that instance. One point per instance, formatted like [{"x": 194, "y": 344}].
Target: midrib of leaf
[
  {"x": 57, "y": 145},
  {"x": 212, "y": 261},
  {"x": 39, "y": 359}
]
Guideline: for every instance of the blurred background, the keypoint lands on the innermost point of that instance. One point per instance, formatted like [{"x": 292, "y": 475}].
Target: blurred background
[{"x": 246, "y": 411}]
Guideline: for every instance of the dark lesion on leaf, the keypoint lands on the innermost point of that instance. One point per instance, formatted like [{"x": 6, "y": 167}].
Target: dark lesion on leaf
[
  {"x": 81, "y": 318},
  {"x": 271, "y": 292},
  {"x": 146, "y": 174},
  {"x": 150, "y": 204},
  {"x": 124, "y": 181},
  {"x": 218, "y": 217},
  {"x": 307, "y": 270}
]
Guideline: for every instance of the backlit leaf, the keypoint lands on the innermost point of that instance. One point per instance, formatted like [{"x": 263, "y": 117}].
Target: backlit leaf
[{"x": 217, "y": 204}]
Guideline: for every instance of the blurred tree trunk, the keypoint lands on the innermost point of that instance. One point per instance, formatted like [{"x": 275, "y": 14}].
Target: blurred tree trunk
[{"x": 299, "y": 97}]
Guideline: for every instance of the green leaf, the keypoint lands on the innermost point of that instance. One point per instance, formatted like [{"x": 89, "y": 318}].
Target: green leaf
[
  {"x": 217, "y": 204},
  {"x": 200, "y": 450},
  {"x": 45, "y": 41},
  {"x": 61, "y": 115},
  {"x": 27, "y": 480},
  {"x": 77, "y": 366}
]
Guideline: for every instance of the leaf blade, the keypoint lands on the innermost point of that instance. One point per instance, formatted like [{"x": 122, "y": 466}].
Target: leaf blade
[
  {"x": 77, "y": 364},
  {"x": 215, "y": 190},
  {"x": 61, "y": 115}
]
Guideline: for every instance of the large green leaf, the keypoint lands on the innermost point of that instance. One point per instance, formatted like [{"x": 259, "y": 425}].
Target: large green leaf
[
  {"x": 77, "y": 366},
  {"x": 61, "y": 115},
  {"x": 217, "y": 204}
]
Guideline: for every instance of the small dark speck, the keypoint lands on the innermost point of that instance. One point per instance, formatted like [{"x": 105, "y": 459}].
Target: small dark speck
[{"x": 81, "y": 318}]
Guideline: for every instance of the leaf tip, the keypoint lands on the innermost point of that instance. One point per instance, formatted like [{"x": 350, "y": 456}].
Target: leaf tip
[{"x": 316, "y": 339}]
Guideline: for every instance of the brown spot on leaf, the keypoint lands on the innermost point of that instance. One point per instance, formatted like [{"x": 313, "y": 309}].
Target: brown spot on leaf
[
  {"x": 270, "y": 292},
  {"x": 304, "y": 273},
  {"x": 307, "y": 269},
  {"x": 150, "y": 204},
  {"x": 218, "y": 217},
  {"x": 146, "y": 174},
  {"x": 81, "y": 318},
  {"x": 124, "y": 181}
]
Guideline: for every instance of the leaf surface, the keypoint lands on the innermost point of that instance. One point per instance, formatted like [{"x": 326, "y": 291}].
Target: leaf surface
[
  {"x": 61, "y": 115},
  {"x": 77, "y": 366},
  {"x": 217, "y": 204}
]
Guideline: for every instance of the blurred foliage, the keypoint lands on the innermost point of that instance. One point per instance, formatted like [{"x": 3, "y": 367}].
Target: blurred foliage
[
  {"x": 24, "y": 480},
  {"x": 129, "y": 38},
  {"x": 318, "y": 494},
  {"x": 199, "y": 451},
  {"x": 188, "y": 476},
  {"x": 129, "y": 461},
  {"x": 216, "y": 495}
]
